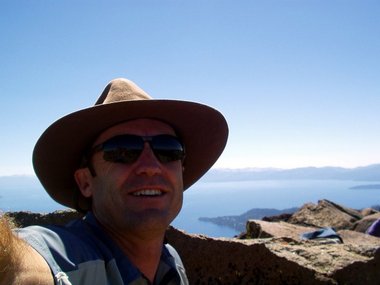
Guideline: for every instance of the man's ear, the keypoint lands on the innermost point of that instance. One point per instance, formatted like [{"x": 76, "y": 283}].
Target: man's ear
[{"x": 84, "y": 180}]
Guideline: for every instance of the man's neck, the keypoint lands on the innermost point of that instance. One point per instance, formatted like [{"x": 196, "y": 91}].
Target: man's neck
[
  {"x": 143, "y": 249},
  {"x": 144, "y": 255}
]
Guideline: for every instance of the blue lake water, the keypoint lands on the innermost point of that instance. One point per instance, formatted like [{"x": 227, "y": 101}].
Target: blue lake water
[
  {"x": 235, "y": 198},
  {"x": 211, "y": 199}
]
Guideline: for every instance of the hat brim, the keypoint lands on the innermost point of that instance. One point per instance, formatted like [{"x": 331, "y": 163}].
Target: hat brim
[{"x": 59, "y": 150}]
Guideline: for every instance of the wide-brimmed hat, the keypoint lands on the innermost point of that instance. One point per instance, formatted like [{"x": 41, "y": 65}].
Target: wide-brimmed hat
[{"x": 60, "y": 149}]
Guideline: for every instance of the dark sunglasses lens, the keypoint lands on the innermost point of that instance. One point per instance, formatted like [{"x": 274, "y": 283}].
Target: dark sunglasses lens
[
  {"x": 167, "y": 148},
  {"x": 127, "y": 148},
  {"x": 123, "y": 149}
]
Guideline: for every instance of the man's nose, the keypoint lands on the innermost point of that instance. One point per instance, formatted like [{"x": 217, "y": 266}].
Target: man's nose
[{"x": 148, "y": 163}]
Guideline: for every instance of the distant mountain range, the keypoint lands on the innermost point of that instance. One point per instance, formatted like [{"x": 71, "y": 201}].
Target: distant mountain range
[{"x": 365, "y": 173}]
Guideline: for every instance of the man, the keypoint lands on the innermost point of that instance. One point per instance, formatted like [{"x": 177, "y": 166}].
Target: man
[{"x": 125, "y": 162}]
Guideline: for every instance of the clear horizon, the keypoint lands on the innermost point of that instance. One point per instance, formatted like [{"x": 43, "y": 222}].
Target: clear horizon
[
  {"x": 298, "y": 81},
  {"x": 237, "y": 169}
]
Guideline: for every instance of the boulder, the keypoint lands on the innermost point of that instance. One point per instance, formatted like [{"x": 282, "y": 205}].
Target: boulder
[
  {"x": 363, "y": 224},
  {"x": 277, "y": 218},
  {"x": 325, "y": 214},
  {"x": 368, "y": 211},
  {"x": 358, "y": 238},
  {"x": 264, "y": 229}
]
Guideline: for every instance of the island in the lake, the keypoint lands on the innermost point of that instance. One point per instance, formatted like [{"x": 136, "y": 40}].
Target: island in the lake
[{"x": 239, "y": 222}]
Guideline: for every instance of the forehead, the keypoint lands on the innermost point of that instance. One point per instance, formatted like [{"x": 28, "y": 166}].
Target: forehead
[{"x": 143, "y": 127}]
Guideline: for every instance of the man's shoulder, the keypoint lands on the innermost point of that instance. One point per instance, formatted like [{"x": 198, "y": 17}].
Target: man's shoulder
[{"x": 71, "y": 241}]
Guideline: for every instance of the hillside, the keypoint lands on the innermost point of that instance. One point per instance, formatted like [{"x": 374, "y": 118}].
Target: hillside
[{"x": 238, "y": 222}]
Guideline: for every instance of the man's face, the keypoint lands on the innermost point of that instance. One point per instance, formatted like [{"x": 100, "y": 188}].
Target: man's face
[{"x": 143, "y": 195}]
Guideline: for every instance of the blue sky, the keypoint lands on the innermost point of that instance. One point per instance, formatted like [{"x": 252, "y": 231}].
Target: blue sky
[{"x": 298, "y": 81}]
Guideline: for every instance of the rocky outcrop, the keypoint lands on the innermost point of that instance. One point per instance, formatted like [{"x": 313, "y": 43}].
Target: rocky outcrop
[
  {"x": 363, "y": 224},
  {"x": 326, "y": 214},
  {"x": 25, "y": 218},
  {"x": 311, "y": 217},
  {"x": 280, "y": 260},
  {"x": 231, "y": 261},
  {"x": 274, "y": 252},
  {"x": 264, "y": 229}
]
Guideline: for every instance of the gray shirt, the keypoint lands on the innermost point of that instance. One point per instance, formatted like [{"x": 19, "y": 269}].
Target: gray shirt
[{"x": 81, "y": 253}]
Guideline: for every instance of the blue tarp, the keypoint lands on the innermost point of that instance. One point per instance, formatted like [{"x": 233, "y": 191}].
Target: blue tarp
[
  {"x": 374, "y": 229},
  {"x": 325, "y": 233}
]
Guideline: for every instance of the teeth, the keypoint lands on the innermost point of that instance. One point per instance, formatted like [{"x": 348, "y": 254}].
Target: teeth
[{"x": 147, "y": 193}]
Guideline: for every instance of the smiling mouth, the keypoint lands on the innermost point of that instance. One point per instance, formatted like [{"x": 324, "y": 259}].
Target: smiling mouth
[{"x": 148, "y": 193}]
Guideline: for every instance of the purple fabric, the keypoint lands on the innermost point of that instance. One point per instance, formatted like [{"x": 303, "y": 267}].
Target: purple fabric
[{"x": 374, "y": 229}]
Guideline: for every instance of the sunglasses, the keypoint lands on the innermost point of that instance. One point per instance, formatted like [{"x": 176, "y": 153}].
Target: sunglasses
[{"x": 128, "y": 148}]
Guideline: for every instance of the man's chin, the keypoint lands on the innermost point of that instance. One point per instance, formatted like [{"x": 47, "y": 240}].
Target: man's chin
[{"x": 152, "y": 218}]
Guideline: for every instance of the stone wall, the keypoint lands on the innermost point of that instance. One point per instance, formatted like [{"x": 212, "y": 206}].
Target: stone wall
[{"x": 277, "y": 260}]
